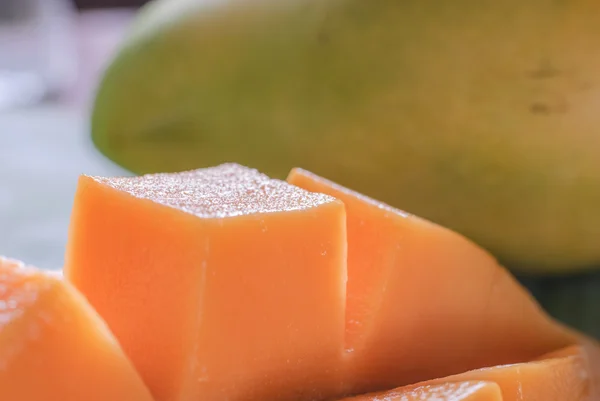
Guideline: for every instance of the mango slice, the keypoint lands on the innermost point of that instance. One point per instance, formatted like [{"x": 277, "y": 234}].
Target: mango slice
[
  {"x": 53, "y": 345},
  {"x": 425, "y": 302},
  {"x": 460, "y": 391}
]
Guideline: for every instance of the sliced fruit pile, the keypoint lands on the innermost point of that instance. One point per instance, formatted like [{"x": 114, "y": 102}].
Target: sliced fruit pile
[{"x": 223, "y": 284}]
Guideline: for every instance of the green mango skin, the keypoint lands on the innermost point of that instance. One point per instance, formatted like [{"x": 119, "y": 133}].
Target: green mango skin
[{"x": 481, "y": 115}]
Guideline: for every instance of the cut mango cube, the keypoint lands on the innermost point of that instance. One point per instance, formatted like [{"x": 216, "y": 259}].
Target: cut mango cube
[{"x": 220, "y": 283}]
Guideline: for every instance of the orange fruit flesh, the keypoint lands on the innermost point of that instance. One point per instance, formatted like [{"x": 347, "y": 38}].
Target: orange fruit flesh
[
  {"x": 588, "y": 352},
  {"x": 459, "y": 391},
  {"x": 566, "y": 378},
  {"x": 219, "y": 283},
  {"x": 53, "y": 345},
  {"x": 425, "y": 302}
]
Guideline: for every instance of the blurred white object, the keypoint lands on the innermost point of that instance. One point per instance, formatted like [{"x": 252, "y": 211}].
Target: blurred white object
[{"x": 37, "y": 50}]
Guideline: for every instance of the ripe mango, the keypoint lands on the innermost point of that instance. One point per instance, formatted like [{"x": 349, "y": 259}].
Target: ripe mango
[{"x": 480, "y": 115}]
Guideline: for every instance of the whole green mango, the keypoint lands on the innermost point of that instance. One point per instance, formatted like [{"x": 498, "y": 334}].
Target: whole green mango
[{"x": 481, "y": 115}]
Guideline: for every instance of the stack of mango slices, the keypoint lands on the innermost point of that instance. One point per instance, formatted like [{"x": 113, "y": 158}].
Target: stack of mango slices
[{"x": 222, "y": 284}]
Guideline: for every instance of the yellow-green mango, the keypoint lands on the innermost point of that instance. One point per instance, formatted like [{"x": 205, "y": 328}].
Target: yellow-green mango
[{"x": 481, "y": 115}]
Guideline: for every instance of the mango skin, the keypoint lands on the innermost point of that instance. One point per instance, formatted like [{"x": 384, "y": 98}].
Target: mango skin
[{"x": 480, "y": 115}]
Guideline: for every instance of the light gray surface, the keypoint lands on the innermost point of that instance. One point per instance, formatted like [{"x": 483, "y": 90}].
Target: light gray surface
[{"x": 42, "y": 152}]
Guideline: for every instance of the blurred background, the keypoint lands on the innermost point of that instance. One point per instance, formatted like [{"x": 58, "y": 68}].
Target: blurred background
[{"x": 51, "y": 55}]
